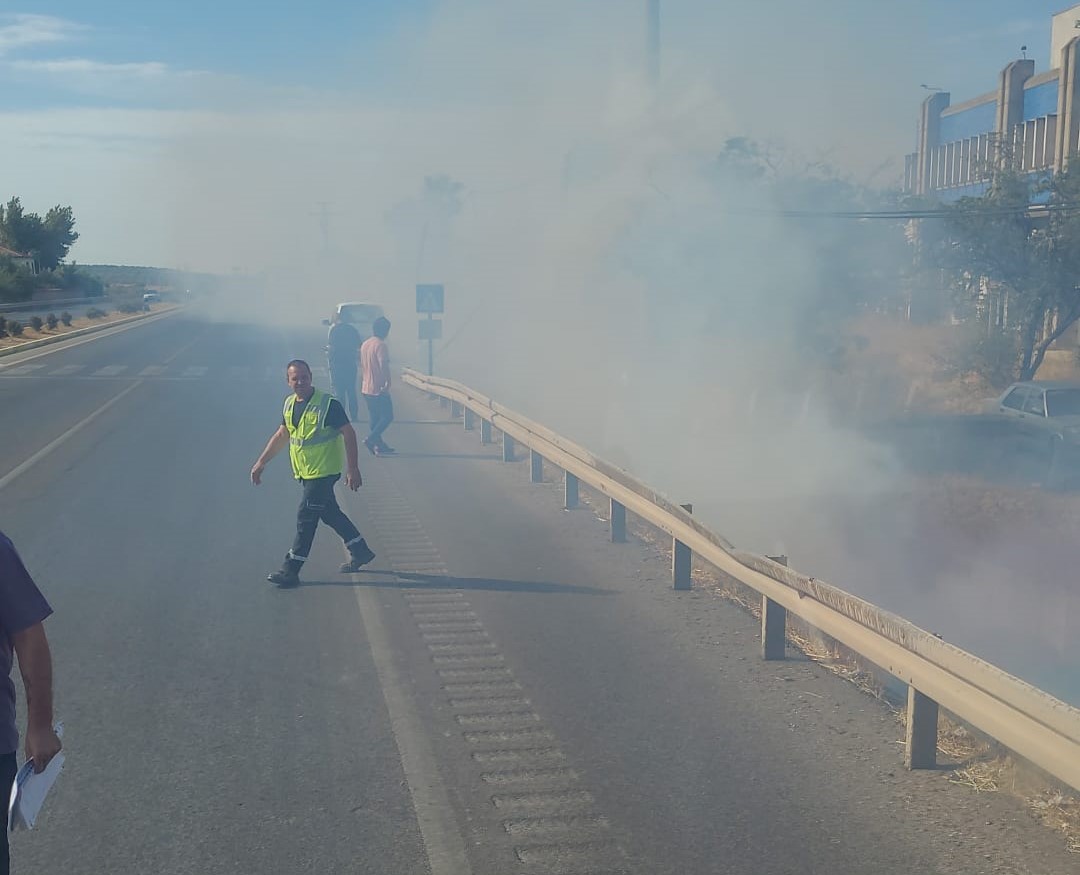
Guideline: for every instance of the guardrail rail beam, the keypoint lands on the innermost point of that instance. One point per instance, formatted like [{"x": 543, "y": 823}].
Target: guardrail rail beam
[{"x": 1028, "y": 721}]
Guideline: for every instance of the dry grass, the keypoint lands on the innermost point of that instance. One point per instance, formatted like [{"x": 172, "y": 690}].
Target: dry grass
[
  {"x": 1060, "y": 812},
  {"x": 982, "y": 765}
]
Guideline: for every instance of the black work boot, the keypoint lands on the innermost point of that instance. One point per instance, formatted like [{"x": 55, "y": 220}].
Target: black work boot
[
  {"x": 288, "y": 576},
  {"x": 359, "y": 555}
]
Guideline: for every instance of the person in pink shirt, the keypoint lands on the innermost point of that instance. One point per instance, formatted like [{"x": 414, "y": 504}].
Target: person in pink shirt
[{"x": 375, "y": 387}]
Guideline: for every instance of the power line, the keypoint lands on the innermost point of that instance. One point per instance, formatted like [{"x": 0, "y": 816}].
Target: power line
[{"x": 1030, "y": 211}]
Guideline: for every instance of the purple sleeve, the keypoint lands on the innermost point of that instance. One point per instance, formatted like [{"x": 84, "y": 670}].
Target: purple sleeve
[{"x": 21, "y": 602}]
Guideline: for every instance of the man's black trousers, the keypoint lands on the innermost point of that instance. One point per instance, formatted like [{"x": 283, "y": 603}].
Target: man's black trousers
[{"x": 319, "y": 503}]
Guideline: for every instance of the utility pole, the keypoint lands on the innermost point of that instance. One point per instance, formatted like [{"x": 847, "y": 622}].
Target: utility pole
[
  {"x": 323, "y": 214},
  {"x": 652, "y": 21}
]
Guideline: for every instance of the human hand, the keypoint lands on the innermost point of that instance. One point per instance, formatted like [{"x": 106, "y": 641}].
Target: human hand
[
  {"x": 256, "y": 473},
  {"x": 353, "y": 479},
  {"x": 42, "y": 744}
]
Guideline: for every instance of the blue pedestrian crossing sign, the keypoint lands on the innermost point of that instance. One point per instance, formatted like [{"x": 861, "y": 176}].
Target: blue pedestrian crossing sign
[{"x": 429, "y": 298}]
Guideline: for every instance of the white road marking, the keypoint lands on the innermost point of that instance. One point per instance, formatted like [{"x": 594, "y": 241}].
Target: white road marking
[
  {"x": 109, "y": 371},
  {"x": 195, "y": 371},
  {"x": 443, "y": 843},
  {"x": 71, "y": 432},
  {"x": 22, "y": 370},
  {"x": 152, "y": 371}
]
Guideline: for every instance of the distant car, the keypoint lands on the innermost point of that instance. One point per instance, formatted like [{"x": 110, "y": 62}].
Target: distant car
[
  {"x": 359, "y": 314},
  {"x": 1044, "y": 424},
  {"x": 151, "y": 298}
]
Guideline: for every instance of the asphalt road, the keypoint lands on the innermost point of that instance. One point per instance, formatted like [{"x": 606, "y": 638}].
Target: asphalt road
[{"x": 503, "y": 692}]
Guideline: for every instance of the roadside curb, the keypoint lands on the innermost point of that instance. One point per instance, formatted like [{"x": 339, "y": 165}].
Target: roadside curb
[{"x": 81, "y": 332}]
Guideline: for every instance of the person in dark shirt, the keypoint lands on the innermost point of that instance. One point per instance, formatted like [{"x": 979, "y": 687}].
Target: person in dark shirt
[
  {"x": 343, "y": 350},
  {"x": 22, "y": 610}
]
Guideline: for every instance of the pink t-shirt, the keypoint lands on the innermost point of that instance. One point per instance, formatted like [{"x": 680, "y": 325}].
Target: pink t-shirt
[{"x": 375, "y": 365}]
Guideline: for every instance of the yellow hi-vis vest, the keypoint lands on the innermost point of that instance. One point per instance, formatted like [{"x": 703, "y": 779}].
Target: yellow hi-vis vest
[{"x": 314, "y": 450}]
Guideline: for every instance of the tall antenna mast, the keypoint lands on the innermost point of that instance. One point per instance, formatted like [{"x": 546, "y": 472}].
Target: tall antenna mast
[{"x": 652, "y": 14}]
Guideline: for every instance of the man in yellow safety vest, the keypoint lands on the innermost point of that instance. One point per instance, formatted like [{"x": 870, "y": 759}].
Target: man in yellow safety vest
[{"x": 321, "y": 444}]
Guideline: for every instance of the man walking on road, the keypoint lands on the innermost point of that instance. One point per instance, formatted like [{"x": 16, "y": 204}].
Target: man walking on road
[
  {"x": 22, "y": 610},
  {"x": 343, "y": 347},
  {"x": 375, "y": 365},
  {"x": 321, "y": 443}
]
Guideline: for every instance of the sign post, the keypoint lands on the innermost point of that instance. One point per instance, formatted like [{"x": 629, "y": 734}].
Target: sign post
[{"x": 430, "y": 299}]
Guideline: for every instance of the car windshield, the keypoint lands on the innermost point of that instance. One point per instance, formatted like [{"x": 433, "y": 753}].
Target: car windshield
[
  {"x": 360, "y": 312},
  {"x": 1063, "y": 402}
]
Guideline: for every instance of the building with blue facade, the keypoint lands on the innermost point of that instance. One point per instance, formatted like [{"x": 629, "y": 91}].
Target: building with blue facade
[{"x": 1031, "y": 122}]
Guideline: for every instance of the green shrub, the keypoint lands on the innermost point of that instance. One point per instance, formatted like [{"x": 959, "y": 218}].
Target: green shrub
[
  {"x": 15, "y": 327},
  {"x": 95, "y": 313},
  {"x": 65, "y": 317},
  {"x": 52, "y": 321},
  {"x": 130, "y": 308},
  {"x": 36, "y": 323},
  {"x": 3, "y": 326}
]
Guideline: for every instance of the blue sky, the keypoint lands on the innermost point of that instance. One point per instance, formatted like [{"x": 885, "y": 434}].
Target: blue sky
[
  {"x": 287, "y": 43},
  {"x": 103, "y": 100}
]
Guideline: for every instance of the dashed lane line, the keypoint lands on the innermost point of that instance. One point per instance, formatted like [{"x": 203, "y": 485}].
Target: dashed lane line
[{"x": 25, "y": 466}]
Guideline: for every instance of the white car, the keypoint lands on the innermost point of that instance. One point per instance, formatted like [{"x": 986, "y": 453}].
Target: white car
[{"x": 359, "y": 314}]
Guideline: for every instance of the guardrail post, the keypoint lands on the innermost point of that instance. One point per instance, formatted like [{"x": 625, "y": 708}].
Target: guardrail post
[
  {"x": 536, "y": 467},
  {"x": 570, "y": 491},
  {"x": 485, "y": 431},
  {"x": 922, "y": 721},
  {"x": 469, "y": 419},
  {"x": 773, "y": 623},
  {"x": 455, "y": 409},
  {"x": 681, "y": 559},
  {"x": 508, "y": 447},
  {"x": 618, "y": 522}
]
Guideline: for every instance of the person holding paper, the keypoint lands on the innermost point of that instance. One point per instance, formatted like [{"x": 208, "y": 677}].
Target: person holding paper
[{"x": 22, "y": 610}]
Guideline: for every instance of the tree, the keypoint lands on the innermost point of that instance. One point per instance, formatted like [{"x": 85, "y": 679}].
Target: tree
[
  {"x": 19, "y": 230},
  {"x": 48, "y": 240},
  {"x": 1017, "y": 264},
  {"x": 851, "y": 265},
  {"x": 58, "y": 236}
]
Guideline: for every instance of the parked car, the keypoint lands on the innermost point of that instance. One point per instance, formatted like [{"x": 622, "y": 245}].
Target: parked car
[
  {"x": 1044, "y": 425},
  {"x": 359, "y": 314}
]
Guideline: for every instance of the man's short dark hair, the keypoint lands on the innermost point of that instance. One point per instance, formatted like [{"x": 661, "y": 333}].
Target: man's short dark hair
[
  {"x": 381, "y": 327},
  {"x": 298, "y": 363}
]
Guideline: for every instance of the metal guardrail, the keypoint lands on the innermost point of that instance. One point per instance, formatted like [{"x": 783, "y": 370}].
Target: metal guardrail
[
  {"x": 46, "y": 306},
  {"x": 1028, "y": 721}
]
